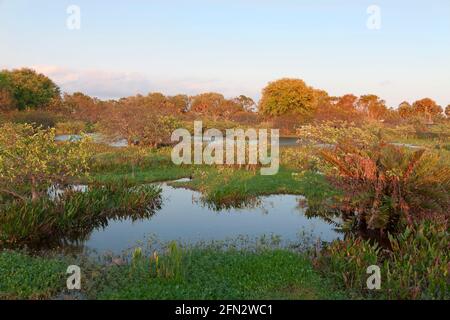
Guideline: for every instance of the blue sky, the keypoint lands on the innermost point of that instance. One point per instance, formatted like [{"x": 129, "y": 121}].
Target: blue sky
[{"x": 234, "y": 47}]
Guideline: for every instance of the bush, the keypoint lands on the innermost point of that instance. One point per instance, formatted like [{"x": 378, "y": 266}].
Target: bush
[
  {"x": 387, "y": 186},
  {"x": 416, "y": 267},
  {"x": 37, "y": 118},
  {"x": 71, "y": 127}
]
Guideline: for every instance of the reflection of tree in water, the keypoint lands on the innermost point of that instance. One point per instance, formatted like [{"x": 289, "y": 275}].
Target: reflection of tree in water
[
  {"x": 72, "y": 237},
  {"x": 229, "y": 203}
]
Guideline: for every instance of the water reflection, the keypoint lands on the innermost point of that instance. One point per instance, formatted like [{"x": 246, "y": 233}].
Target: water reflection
[{"x": 183, "y": 215}]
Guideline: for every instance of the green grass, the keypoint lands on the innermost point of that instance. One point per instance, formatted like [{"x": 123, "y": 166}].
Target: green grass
[
  {"x": 221, "y": 186},
  {"x": 212, "y": 274},
  {"x": 231, "y": 186},
  {"x": 139, "y": 176},
  {"x": 203, "y": 274},
  {"x": 26, "y": 277}
]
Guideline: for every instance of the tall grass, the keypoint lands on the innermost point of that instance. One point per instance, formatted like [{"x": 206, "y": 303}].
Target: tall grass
[{"x": 74, "y": 215}]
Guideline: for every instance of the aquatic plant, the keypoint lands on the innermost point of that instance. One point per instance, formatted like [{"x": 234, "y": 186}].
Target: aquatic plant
[
  {"x": 416, "y": 266},
  {"x": 74, "y": 215}
]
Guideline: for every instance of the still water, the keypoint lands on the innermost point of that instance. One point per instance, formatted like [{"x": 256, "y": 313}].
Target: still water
[
  {"x": 184, "y": 217},
  {"x": 284, "y": 141}
]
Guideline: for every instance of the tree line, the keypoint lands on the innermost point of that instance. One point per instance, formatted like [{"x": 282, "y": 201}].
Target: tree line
[{"x": 28, "y": 96}]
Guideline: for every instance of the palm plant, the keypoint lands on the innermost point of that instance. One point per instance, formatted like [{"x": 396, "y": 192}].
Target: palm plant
[{"x": 385, "y": 186}]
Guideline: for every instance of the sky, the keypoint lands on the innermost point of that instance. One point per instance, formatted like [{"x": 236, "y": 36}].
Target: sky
[{"x": 125, "y": 47}]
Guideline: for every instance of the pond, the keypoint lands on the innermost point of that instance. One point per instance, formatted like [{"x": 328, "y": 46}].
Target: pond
[
  {"x": 184, "y": 217},
  {"x": 284, "y": 141}
]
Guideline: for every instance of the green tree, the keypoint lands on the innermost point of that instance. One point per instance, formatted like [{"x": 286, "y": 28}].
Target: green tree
[
  {"x": 31, "y": 160},
  {"x": 288, "y": 96},
  {"x": 29, "y": 89}
]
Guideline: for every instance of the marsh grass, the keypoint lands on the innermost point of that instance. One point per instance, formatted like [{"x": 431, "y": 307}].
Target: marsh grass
[
  {"x": 416, "y": 267},
  {"x": 74, "y": 215}
]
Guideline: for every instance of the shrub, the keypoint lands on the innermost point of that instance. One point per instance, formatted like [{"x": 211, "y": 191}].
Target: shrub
[
  {"x": 71, "y": 127},
  {"x": 31, "y": 160},
  {"x": 37, "y": 118},
  {"x": 417, "y": 267},
  {"x": 386, "y": 186}
]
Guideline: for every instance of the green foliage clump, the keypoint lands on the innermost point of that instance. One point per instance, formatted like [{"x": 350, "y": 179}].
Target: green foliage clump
[
  {"x": 73, "y": 215},
  {"x": 415, "y": 266},
  {"x": 211, "y": 273},
  {"x": 288, "y": 96},
  {"x": 72, "y": 127},
  {"x": 29, "y": 89},
  {"x": 31, "y": 160},
  {"x": 26, "y": 277}
]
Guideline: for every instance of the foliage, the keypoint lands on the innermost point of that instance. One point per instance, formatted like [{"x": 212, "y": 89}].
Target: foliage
[
  {"x": 29, "y": 89},
  {"x": 386, "y": 186},
  {"x": 37, "y": 118},
  {"x": 216, "y": 106},
  {"x": 288, "y": 96},
  {"x": 210, "y": 273},
  {"x": 333, "y": 132},
  {"x": 139, "y": 125},
  {"x": 30, "y": 158},
  {"x": 71, "y": 127},
  {"x": 372, "y": 106},
  {"x": 73, "y": 215},
  {"x": 416, "y": 267},
  {"x": 26, "y": 277},
  {"x": 427, "y": 107}
]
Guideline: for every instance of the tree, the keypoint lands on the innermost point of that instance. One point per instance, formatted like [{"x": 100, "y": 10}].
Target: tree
[
  {"x": 29, "y": 89},
  {"x": 428, "y": 108},
  {"x": 180, "y": 103},
  {"x": 214, "y": 105},
  {"x": 372, "y": 106},
  {"x": 206, "y": 102},
  {"x": 6, "y": 101},
  {"x": 288, "y": 96},
  {"x": 338, "y": 108},
  {"x": 31, "y": 160},
  {"x": 138, "y": 124},
  {"x": 246, "y": 103},
  {"x": 447, "y": 111},
  {"x": 83, "y": 107},
  {"x": 405, "y": 110},
  {"x": 347, "y": 102}
]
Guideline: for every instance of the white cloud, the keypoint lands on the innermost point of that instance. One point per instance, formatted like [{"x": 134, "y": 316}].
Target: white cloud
[
  {"x": 98, "y": 83},
  {"x": 112, "y": 85}
]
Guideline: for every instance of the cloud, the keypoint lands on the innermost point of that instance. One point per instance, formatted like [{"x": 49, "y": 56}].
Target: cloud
[
  {"x": 98, "y": 83},
  {"x": 112, "y": 85}
]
